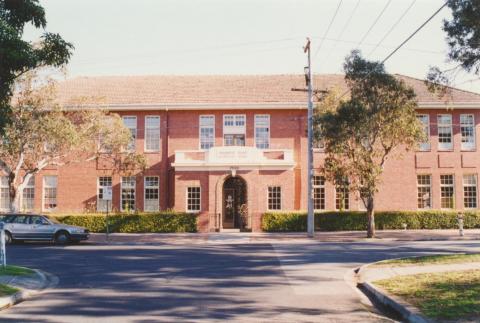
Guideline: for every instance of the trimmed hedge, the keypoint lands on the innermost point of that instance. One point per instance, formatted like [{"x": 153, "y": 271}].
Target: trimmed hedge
[
  {"x": 162, "y": 222},
  {"x": 357, "y": 221}
]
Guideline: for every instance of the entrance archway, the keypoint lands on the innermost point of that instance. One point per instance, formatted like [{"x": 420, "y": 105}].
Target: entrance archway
[{"x": 234, "y": 203}]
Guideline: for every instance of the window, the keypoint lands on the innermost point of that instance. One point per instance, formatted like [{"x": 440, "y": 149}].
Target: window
[
  {"x": 467, "y": 129},
  {"x": 207, "y": 132},
  {"x": 425, "y": 120},
  {"x": 444, "y": 124},
  {"x": 128, "y": 194},
  {"x": 28, "y": 195},
  {"x": 234, "y": 130},
  {"x": 318, "y": 192},
  {"x": 103, "y": 183},
  {"x": 262, "y": 131},
  {"x": 274, "y": 198},
  {"x": 470, "y": 191},
  {"x": 193, "y": 199},
  {"x": 151, "y": 193},
  {"x": 131, "y": 123},
  {"x": 342, "y": 195},
  {"x": 447, "y": 192},
  {"x": 49, "y": 193},
  {"x": 152, "y": 133},
  {"x": 424, "y": 191},
  {"x": 4, "y": 194}
]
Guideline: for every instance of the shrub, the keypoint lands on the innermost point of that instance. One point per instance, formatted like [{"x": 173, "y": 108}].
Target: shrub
[
  {"x": 164, "y": 222},
  {"x": 357, "y": 221}
]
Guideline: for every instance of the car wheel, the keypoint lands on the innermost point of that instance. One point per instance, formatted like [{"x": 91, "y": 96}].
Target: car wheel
[
  {"x": 62, "y": 237},
  {"x": 8, "y": 238}
]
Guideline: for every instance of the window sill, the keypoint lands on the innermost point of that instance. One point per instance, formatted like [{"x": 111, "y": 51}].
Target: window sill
[
  {"x": 151, "y": 151},
  {"x": 468, "y": 150}
]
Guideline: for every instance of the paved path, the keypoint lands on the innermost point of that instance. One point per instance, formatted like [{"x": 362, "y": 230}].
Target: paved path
[{"x": 237, "y": 282}]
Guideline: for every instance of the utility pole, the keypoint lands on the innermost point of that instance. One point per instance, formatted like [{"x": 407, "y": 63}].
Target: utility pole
[{"x": 309, "y": 80}]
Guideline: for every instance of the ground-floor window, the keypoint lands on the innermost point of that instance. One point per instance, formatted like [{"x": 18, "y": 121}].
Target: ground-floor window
[
  {"x": 151, "y": 193},
  {"x": 104, "y": 182},
  {"x": 342, "y": 194},
  {"x": 128, "y": 193},
  {"x": 447, "y": 191},
  {"x": 4, "y": 194},
  {"x": 274, "y": 198},
  {"x": 50, "y": 193},
  {"x": 28, "y": 195},
  {"x": 319, "y": 192},
  {"x": 424, "y": 191},
  {"x": 470, "y": 191},
  {"x": 193, "y": 199}
]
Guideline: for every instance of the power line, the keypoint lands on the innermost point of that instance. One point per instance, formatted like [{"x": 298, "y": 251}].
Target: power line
[
  {"x": 392, "y": 28},
  {"x": 328, "y": 29},
  {"x": 374, "y": 23}
]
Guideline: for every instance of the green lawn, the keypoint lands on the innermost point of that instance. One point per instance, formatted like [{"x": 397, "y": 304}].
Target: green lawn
[
  {"x": 6, "y": 290},
  {"x": 448, "y": 296},
  {"x": 15, "y": 271},
  {"x": 430, "y": 260}
]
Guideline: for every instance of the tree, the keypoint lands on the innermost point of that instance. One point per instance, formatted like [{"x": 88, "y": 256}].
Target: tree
[
  {"x": 360, "y": 134},
  {"x": 40, "y": 134},
  {"x": 18, "y": 56}
]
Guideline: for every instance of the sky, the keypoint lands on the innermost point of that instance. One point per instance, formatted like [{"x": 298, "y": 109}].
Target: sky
[{"x": 199, "y": 37}]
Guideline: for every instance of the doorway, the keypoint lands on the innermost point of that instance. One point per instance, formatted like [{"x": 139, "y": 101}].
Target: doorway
[{"x": 235, "y": 213}]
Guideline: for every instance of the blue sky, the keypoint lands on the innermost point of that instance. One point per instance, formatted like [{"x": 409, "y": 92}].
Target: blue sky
[{"x": 135, "y": 37}]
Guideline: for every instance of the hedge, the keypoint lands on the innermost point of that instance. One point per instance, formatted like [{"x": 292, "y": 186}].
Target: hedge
[
  {"x": 163, "y": 222},
  {"x": 357, "y": 221}
]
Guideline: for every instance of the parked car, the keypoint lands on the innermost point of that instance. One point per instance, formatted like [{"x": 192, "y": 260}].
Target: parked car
[{"x": 37, "y": 227}]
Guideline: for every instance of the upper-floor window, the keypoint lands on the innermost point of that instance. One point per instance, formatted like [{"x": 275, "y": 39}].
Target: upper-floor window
[
  {"x": 131, "y": 123},
  {"x": 425, "y": 121},
  {"x": 262, "y": 131},
  {"x": 152, "y": 133},
  {"x": 207, "y": 132},
  {"x": 445, "y": 136},
  {"x": 234, "y": 129},
  {"x": 467, "y": 129}
]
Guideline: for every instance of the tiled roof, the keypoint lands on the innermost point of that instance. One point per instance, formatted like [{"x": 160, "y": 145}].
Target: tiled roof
[{"x": 218, "y": 89}]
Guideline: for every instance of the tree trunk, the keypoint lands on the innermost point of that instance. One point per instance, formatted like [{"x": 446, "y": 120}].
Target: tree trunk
[
  {"x": 371, "y": 218},
  {"x": 13, "y": 193}
]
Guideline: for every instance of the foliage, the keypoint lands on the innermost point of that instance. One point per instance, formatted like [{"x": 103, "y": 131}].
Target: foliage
[
  {"x": 357, "y": 221},
  {"x": 41, "y": 134},
  {"x": 18, "y": 56},
  {"x": 165, "y": 222},
  {"x": 15, "y": 271},
  {"x": 360, "y": 134},
  {"x": 6, "y": 290}
]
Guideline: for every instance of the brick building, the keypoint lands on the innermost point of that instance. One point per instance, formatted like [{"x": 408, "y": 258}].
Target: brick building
[{"x": 232, "y": 147}]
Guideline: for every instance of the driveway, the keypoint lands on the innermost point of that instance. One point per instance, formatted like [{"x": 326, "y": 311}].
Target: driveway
[{"x": 296, "y": 281}]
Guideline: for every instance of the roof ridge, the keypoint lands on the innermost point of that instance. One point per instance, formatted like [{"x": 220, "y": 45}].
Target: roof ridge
[{"x": 448, "y": 86}]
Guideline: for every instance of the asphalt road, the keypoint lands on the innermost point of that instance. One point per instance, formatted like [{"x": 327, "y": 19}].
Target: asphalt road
[{"x": 284, "y": 282}]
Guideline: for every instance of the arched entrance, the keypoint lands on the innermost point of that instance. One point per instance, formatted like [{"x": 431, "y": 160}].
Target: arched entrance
[{"x": 234, "y": 203}]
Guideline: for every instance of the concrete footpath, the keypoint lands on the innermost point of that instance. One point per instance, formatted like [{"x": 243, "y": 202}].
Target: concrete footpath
[
  {"x": 263, "y": 237},
  {"x": 28, "y": 285}
]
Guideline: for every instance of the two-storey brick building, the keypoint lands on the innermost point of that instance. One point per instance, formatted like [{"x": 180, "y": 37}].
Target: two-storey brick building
[{"x": 232, "y": 147}]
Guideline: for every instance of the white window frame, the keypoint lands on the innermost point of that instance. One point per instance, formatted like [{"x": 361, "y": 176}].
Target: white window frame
[
  {"x": 430, "y": 191},
  {"x": 187, "y": 207},
  {"x": 4, "y": 187},
  {"x": 262, "y": 126},
  {"x": 132, "y": 146},
  {"x": 30, "y": 185},
  {"x": 448, "y": 185},
  {"x": 425, "y": 146},
  {"x": 134, "y": 193},
  {"x": 268, "y": 197},
  {"x": 43, "y": 193},
  {"x": 468, "y": 146},
  {"x": 235, "y": 130},
  {"x": 445, "y": 146},
  {"x": 98, "y": 193},
  {"x": 319, "y": 186},
  {"x": 151, "y": 128},
  {"x": 145, "y": 187},
  {"x": 200, "y": 126},
  {"x": 470, "y": 185}
]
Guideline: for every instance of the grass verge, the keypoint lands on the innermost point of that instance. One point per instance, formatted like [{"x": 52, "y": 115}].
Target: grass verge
[
  {"x": 6, "y": 290},
  {"x": 15, "y": 271},
  {"x": 430, "y": 260},
  {"x": 444, "y": 296}
]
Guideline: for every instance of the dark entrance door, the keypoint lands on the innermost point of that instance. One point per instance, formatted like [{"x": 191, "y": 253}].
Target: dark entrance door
[{"x": 234, "y": 203}]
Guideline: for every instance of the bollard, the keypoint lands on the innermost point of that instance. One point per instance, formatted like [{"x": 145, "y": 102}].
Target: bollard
[{"x": 460, "y": 223}]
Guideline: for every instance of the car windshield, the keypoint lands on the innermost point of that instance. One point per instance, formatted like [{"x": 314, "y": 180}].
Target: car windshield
[{"x": 52, "y": 219}]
